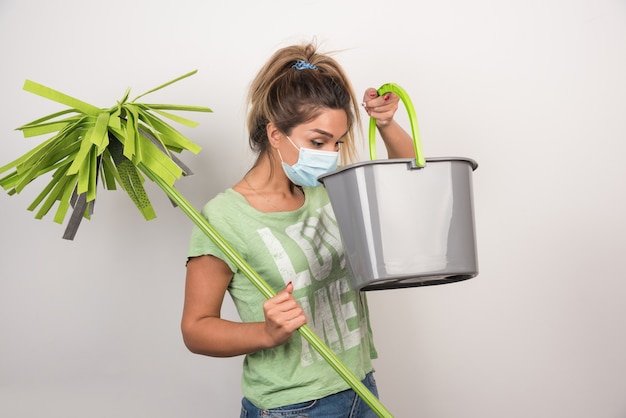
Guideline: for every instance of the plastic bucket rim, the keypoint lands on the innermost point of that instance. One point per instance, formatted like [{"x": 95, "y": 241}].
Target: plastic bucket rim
[{"x": 410, "y": 161}]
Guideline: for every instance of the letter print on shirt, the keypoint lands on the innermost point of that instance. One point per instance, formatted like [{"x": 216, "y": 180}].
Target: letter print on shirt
[{"x": 330, "y": 316}]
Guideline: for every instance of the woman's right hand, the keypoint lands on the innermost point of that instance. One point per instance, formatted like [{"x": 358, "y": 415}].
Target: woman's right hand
[
  {"x": 283, "y": 316},
  {"x": 206, "y": 332}
]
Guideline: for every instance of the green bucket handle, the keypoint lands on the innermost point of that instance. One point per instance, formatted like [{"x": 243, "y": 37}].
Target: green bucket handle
[{"x": 417, "y": 144}]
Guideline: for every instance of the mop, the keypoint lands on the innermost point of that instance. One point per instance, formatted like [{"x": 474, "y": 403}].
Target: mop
[{"x": 118, "y": 146}]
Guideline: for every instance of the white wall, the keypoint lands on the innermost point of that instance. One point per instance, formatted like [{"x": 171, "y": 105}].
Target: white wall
[{"x": 534, "y": 91}]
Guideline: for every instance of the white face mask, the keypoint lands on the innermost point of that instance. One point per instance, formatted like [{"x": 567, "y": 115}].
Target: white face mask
[{"x": 310, "y": 165}]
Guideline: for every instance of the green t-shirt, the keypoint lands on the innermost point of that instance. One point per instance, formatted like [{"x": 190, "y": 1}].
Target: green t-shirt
[{"x": 302, "y": 246}]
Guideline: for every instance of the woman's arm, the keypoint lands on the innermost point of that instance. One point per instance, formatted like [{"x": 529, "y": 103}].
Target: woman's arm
[
  {"x": 205, "y": 332},
  {"x": 398, "y": 142}
]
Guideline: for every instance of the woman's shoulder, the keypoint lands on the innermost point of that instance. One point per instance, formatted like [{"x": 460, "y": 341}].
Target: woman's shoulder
[
  {"x": 225, "y": 202},
  {"x": 317, "y": 195}
]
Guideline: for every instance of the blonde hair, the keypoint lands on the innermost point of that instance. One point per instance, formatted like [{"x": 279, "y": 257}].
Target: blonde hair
[{"x": 288, "y": 97}]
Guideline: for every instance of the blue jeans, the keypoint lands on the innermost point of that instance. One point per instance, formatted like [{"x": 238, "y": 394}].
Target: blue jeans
[{"x": 346, "y": 404}]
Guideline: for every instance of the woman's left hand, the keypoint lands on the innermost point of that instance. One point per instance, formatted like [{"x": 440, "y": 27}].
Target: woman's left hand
[
  {"x": 382, "y": 108},
  {"x": 398, "y": 142}
]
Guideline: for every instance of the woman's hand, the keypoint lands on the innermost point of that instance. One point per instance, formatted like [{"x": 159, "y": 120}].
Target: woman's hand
[
  {"x": 382, "y": 108},
  {"x": 205, "y": 332},
  {"x": 398, "y": 142},
  {"x": 283, "y": 316}
]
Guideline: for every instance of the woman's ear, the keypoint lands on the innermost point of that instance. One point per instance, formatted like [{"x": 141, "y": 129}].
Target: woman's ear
[{"x": 274, "y": 135}]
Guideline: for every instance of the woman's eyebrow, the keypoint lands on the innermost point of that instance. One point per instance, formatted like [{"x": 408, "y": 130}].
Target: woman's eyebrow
[{"x": 326, "y": 133}]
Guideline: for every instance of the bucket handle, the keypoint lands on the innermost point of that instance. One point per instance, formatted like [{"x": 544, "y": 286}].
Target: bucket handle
[{"x": 417, "y": 144}]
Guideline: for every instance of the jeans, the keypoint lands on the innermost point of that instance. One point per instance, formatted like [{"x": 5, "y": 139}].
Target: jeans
[{"x": 346, "y": 404}]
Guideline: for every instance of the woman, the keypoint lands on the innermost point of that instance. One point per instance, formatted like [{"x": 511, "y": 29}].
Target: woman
[{"x": 302, "y": 118}]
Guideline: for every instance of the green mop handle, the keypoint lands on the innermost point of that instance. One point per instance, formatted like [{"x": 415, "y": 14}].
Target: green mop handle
[{"x": 268, "y": 292}]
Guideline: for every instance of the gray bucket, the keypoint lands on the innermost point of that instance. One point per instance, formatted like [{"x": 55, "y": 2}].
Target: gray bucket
[{"x": 405, "y": 222}]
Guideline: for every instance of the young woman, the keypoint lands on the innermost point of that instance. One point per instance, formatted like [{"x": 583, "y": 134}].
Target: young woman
[{"x": 302, "y": 119}]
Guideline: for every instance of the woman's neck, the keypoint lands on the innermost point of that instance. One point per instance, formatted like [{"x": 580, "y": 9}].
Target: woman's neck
[{"x": 269, "y": 190}]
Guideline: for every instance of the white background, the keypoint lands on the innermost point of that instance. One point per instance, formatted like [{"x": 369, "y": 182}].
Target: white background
[{"x": 534, "y": 91}]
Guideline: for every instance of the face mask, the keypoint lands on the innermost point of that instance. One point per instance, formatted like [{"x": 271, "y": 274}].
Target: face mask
[{"x": 310, "y": 165}]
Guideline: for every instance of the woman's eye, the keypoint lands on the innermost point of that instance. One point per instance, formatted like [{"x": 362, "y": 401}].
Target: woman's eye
[{"x": 323, "y": 144}]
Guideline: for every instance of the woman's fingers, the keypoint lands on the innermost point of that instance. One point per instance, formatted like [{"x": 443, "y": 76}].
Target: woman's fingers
[{"x": 283, "y": 315}]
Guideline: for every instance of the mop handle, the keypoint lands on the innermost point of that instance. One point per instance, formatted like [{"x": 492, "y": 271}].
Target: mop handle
[
  {"x": 268, "y": 292},
  {"x": 417, "y": 144}
]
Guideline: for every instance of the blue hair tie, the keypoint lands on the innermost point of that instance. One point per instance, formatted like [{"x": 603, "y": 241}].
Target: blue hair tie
[{"x": 303, "y": 65}]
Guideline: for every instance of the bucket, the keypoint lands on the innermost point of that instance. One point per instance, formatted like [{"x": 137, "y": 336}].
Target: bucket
[{"x": 405, "y": 222}]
